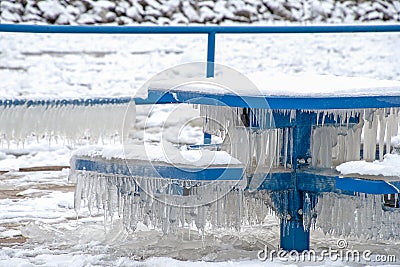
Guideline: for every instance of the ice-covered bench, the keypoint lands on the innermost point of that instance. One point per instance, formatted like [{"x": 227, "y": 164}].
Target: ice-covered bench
[{"x": 283, "y": 141}]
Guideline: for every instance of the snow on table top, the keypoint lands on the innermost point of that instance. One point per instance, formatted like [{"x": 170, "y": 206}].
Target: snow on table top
[
  {"x": 388, "y": 167},
  {"x": 166, "y": 153},
  {"x": 279, "y": 84}
]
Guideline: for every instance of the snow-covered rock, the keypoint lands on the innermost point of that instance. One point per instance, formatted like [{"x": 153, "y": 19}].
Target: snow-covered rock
[
  {"x": 134, "y": 13},
  {"x": 51, "y": 10},
  {"x": 9, "y": 16}
]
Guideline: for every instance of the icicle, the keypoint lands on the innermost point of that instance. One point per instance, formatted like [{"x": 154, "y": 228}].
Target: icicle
[
  {"x": 286, "y": 143},
  {"x": 370, "y": 136},
  {"x": 381, "y": 133},
  {"x": 72, "y": 121},
  {"x": 362, "y": 215}
]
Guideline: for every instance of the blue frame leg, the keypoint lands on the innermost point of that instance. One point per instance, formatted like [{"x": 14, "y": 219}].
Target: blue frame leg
[
  {"x": 207, "y": 138},
  {"x": 293, "y": 236}
]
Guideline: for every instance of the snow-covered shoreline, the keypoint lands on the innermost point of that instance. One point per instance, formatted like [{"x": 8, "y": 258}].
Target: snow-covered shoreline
[{"x": 165, "y": 12}]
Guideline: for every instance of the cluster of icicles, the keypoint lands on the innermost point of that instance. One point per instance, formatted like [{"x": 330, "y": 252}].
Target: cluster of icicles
[
  {"x": 262, "y": 146},
  {"x": 121, "y": 197},
  {"x": 362, "y": 216},
  {"x": 72, "y": 122},
  {"x": 333, "y": 145},
  {"x": 155, "y": 203}
]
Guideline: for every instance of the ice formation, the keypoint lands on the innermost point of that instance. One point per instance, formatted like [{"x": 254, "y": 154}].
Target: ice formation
[
  {"x": 369, "y": 139},
  {"x": 167, "y": 204},
  {"x": 252, "y": 137},
  {"x": 362, "y": 215},
  {"x": 336, "y": 138},
  {"x": 72, "y": 120}
]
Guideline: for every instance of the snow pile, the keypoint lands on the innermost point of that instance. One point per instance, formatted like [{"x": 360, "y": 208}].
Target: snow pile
[
  {"x": 205, "y": 11},
  {"x": 388, "y": 167},
  {"x": 263, "y": 83},
  {"x": 159, "y": 152}
]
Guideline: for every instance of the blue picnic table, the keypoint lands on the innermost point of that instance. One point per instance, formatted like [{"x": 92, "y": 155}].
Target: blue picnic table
[{"x": 300, "y": 177}]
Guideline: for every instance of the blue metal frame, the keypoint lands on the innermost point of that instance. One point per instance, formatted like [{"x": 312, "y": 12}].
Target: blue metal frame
[
  {"x": 211, "y": 31},
  {"x": 196, "y": 29},
  {"x": 157, "y": 170},
  {"x": 65, "y": 102},
  {"x": 270, "y": 102}
]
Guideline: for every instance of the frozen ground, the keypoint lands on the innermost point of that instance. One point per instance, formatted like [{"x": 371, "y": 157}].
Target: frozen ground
[{"x": 38, "y": 225}]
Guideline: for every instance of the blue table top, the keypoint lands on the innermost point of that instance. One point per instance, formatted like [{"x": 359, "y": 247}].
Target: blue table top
[{"x": 271, "y": 102}]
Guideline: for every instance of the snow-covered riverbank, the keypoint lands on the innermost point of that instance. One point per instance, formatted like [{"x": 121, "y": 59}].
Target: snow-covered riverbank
[{"x": 211, "y": 11}]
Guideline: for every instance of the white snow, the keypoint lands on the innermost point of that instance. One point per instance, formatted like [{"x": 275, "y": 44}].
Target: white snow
[
  {"x": 164, "y": 152},
  {"x": 63, "y": 66},
  {"x": 388, "y": 167},
  {"x": 10, "y": 233},
  {"x": 280, "y": 84}
]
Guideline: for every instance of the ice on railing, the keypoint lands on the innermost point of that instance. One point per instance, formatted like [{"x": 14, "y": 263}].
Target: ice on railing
[
  {"x": 167, "y": 204},
  {"x": 72, "y": 122},
  {"x": 362, "y": 216}
]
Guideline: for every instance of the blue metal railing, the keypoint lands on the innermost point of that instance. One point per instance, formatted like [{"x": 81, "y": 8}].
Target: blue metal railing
[{"x": 211, "y": 31}]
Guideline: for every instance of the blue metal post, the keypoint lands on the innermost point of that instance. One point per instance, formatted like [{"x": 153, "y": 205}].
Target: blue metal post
[
  {"x": 293, "y": 235},
  {"x": 210, "y": 69},
  {"x": 210, "y": 54},
  {"x": 207, "y": 138}
]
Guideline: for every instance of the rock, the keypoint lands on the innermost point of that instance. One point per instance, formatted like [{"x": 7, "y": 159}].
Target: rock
[
  {"x": 323, "y": 8},
  {"x": 154, "y": 4},
  {"x": 111, "y": 16},
  {"x": 209, "y": 4},
  {"x": 243, "y": 13},
  {"x": 171, "y": 7},
  {"x": 65, "y": 19},
  {"x": 73, "y": 11},
  {"x": 150, "y": 11},
  {"x": 222, "y": 12},
  {"x": 190, "y": 12},
  {"x": 10, "y": 17},
  {"x": 279, "y": 10},
  {"x": 396, "y": 6},
  {"x": 121, "y": 8},
  {"x": 31, "y": 18},
  {"x": 134, "y": 14},
  {"x": 88, "y": 4},
  {"x": 163, "y": 21},
  {"x": 17, "y": 8},
  {"x": 104, "y": 5},
  {"x": 123, "y": 20},
  {"x": 179, "y": 18},
  {"x": 80, "y": 6},
  {"x": 150, "y": 19},
  {"x": 51, "y": 10},
  {"x": 206, "y": 14},
  {"x": 86, "y": 19},
  {"x": 373, "y": 15}
]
